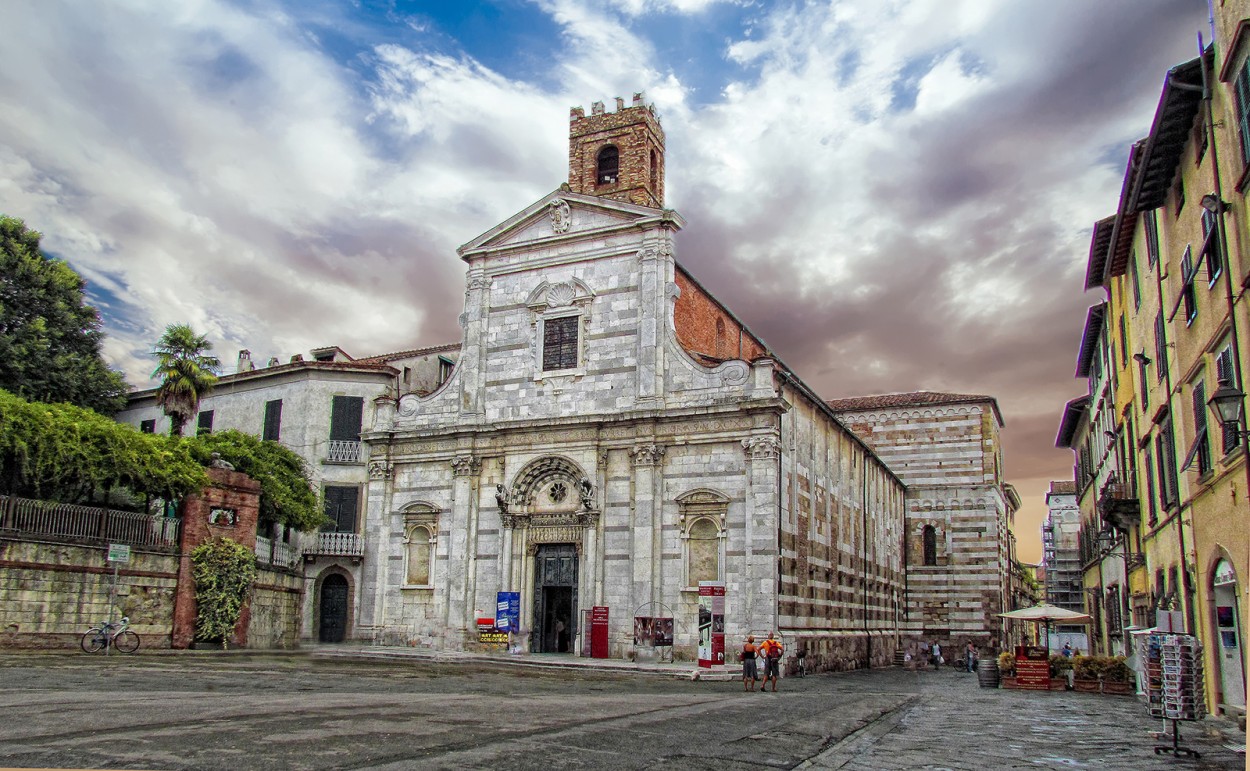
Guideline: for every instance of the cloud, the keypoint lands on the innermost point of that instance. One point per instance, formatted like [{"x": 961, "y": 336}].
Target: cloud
[{"x": 895, "y": 196}]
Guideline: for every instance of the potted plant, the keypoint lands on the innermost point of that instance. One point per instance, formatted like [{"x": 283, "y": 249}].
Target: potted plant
[
  {"x": 1007, "y": 669},
  {"x": 1060, "y": 673},
  {"x": 1117, "y": 678}
]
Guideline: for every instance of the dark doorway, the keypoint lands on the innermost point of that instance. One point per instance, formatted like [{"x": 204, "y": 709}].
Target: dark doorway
[
  {"x": 333, "y": 609},
  {"x": 555, "y": 599}
]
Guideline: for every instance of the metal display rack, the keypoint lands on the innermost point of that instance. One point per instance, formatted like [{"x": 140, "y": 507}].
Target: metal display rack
[{"x": 1174, "y": 685}]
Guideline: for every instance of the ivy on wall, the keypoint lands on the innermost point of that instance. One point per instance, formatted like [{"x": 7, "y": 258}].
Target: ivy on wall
[
  {"x": 74, "y": 455},
  {"x": 286, "y": 495},
  {"x": 223, "y": 571}
]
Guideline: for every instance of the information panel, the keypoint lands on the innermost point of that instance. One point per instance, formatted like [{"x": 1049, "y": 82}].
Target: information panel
[{"x": 711, "y": 623}]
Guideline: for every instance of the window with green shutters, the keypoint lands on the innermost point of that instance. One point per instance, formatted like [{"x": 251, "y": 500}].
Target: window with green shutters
[
  {"x": 1241, "y": 91},
  {"x": 346, "y": 413},
  {"x": 273, "y": 420}
]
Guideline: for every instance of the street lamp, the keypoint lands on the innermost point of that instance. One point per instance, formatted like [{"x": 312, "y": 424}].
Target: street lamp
[{"x": 1227, "y": 405}]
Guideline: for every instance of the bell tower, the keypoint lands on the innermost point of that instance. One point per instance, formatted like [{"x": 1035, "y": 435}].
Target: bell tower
[{"x": 618, "y": 155}]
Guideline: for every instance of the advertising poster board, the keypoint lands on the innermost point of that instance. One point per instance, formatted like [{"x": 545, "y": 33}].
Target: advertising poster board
[
  {"x": 508, "y": 611},
  {"x": 599, "y": 632},
  {"x": 487, "y": 634},
  {"x": 1032, "y": 668},
  {"x": 711, "y": 623}
]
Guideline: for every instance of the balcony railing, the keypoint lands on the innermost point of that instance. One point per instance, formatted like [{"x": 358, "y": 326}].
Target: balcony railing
[
  {"x": 23, "y": 515},
  {"x": 337, "y": 545},
  {"x": 1117, "y": 502},
  {"x": 343, "y": 451},
  {"x": 275, "y": 553}
]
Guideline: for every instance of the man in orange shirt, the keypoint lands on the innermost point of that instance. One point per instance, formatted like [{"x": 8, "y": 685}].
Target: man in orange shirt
[{"x": 771, "y": 649}]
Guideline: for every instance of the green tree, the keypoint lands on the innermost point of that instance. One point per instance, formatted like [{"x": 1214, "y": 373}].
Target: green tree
[
  {"x": 74, "y": 455},
  {"x": 286, "y": 493},
  {"x": 49, "y": 337},
  {"x": 187, "y": 373}
]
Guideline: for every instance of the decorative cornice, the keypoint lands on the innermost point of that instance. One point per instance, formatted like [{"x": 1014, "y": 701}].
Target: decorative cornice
[
  {"x": 761, "y": 447},
  {"x": 647, "y": 454}
]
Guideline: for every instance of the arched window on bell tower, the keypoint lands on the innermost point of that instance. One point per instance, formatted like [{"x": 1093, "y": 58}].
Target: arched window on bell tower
[{"x": 608, "y": 165}]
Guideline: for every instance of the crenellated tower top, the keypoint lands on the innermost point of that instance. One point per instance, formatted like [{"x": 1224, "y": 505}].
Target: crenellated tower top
[{"x": 618, "y": 155}]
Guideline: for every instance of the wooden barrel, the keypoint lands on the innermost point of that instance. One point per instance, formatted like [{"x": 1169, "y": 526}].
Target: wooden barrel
[{"x": 987, "y": 673}]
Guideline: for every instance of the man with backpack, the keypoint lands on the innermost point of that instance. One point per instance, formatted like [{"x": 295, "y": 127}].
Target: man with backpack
[{"x": 771, "y": 649}]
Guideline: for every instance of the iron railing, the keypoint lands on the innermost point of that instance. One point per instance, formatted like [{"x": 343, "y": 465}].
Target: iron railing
[
  {"x": 338, "y": 545},
  {"x": 343, "y": 451},
  {"x": 88, "y": 523},
  {"x": 275, "y": 553}
]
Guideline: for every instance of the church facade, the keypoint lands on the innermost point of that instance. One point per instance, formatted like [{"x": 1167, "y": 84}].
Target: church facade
[{"x": 612, "y": 436}]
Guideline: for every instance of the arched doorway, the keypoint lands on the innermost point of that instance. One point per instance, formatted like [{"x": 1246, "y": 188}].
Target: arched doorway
[
  {"x": 1228, "y": 635},
  {"x": 333, "y": 609}
]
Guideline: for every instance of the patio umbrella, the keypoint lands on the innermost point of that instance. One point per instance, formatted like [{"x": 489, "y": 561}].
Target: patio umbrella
[{"x": 1046, "y": 615}]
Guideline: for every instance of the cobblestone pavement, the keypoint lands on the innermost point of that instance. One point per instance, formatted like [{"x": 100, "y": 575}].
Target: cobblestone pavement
[{"x": 198, "y": 711}]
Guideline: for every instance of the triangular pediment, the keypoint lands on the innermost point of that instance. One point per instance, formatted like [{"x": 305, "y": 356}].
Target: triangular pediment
[{"x": 564, "y": 215}]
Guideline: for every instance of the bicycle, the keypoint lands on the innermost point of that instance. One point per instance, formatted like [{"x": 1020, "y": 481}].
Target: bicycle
[{"x": 119, "y": 635}]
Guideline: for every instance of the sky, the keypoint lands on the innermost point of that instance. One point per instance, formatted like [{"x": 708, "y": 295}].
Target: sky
[{"x": 896, "y": 195}]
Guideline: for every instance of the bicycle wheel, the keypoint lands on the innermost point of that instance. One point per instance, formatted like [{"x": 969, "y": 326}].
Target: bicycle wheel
[
  {"x": 93, "y": 640},
  {"x": 126, "y": 642}
]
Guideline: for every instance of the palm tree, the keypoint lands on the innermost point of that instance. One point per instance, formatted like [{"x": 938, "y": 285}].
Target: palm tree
[{"x": 186, "y": 371}]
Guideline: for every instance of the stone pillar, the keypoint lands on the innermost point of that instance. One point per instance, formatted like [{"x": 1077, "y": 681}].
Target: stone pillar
[
  {"x": 654, "y": 261},
  {"x": 229, "y": 508},
  {"x": 465, "y": 469},
  {"x": 646, "y": 548},
  {"x": 374, "y": 581},
  {"x": 763, "y": 455},
  {"x": 472, "y": 361}
]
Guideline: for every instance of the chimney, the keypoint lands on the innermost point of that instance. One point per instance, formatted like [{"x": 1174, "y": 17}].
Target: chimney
[{"x": 245, "y": 361}]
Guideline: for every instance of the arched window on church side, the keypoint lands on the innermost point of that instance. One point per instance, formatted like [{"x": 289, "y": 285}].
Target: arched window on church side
[
  {"x": 930, "y": 545},
  {"x": 608, "y": 165}
]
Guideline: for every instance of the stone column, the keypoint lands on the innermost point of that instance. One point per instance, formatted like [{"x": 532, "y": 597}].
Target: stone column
[
  {"x": 763, "y": 455},
  {"x": 472, "y": 361},
  {"x": 375, "y": 582},
  {"x": 646, "y": 551},
  {"x": 465, "y": 469},
  {"x": 654, "y": 260}
]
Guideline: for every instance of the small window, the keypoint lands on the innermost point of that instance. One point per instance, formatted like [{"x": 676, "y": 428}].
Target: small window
[
  {"x": 560, "y": 343},
  {"x": 1152, "y": 238},
  {"x": 147, "y": 426},
  {"x": 1161, "y": 350},
  {"x": 1226, "y": 376},
  {"x": 445, "y": 366},
  {"x": 346, "y": 413},
  {"x": 1136, "y": 280},
  {"x": 1241, "y": 91},
  {"x": 1202, "y": 445},
  {"x": 1179, "y": 191},
  {"x": 655, "y": 172},
  {"x": 608, "y": 165},
  {"x": 205, "y": 424},
  {"x": 929, "y": 538},
  {"x": 273, "y": 420}
]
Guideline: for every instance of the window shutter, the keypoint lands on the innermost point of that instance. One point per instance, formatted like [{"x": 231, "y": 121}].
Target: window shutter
[
  {"x": 273, "y": 420},
  {"x": 340, "y": 507},
  {"x": 560, "y": 343},
  {"x": 346, "y": 413}
]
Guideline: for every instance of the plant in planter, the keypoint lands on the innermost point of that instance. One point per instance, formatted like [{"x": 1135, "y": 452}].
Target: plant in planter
[
  {"x": 1060, "y": 665},
  {"x": 1117, "y": 671},
  {"x": 1007, "y": 664}
]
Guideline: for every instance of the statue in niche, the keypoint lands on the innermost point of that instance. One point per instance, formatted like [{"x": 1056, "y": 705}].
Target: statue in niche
[
  {"x": 587, "y": 493},
  {"x": 501, "y": 498}
]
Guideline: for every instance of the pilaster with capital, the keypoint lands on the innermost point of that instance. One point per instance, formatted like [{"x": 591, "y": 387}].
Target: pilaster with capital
[
  {"x": 761, "y": 547},
  {"x": 472, "y": 361},
  {"x": 648, "y": 477},
  {"x": 655, "y": 265},
  {"x": 461, "y": 516}
]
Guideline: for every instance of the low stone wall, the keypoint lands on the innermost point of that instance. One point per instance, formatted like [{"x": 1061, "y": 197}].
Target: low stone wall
[
  {"x": 52, "y": 592},
  {"x": 275, "y": 610},
  {"x": 839, "y": 653}
]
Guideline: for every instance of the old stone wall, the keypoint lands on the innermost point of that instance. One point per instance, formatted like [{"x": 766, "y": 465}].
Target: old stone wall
[
  {"x": 51, "y": 593},
  {"x": 274, "y": 610}
]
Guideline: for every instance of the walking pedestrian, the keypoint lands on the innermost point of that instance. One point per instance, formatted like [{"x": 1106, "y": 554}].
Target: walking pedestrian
[
  {"x": 970, "y": 656},
  {"x": 749, "y": 669},
  {"x": 771, "y": 649},
  {"x": 937, "y": 654},
  {"x": 1067, "y": 650}
]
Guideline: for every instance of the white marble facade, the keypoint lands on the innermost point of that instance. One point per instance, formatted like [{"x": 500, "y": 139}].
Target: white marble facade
[{"x": 618, "y": 477}]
